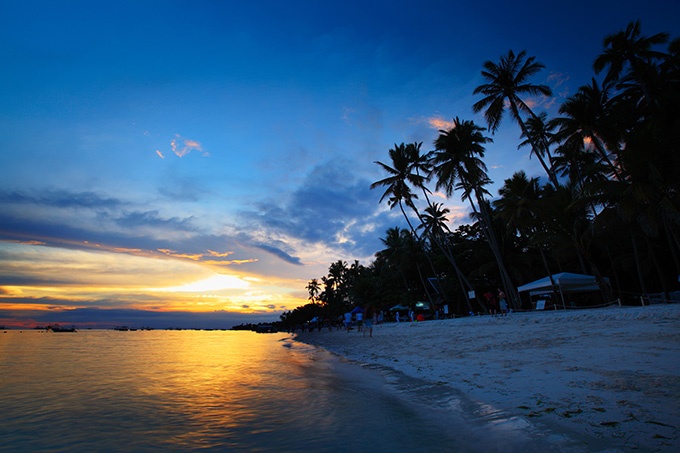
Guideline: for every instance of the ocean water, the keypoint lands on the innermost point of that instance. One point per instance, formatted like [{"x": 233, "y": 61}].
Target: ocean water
[{"x": 199, "y": 390}]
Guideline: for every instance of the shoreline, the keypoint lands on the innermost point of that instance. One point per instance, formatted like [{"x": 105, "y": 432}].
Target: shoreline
[{"x": 610, "y": 374}]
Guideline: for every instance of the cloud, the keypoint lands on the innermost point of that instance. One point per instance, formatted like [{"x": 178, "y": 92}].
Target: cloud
[
  {"x": 279, "y": 253},
  {"x": 218, "y": 254},
  {"x": 182, "y": 146},
  {"x": 188, "y": 256},
  {"x": 60, "y": 199},
  {"x": 559, "y": 84},
  {"x": 153, "y": 219},
  {"x": 160, "y": 154},
  {"x": 440, "y": 124},
  {"x": 332, "y": 206}
]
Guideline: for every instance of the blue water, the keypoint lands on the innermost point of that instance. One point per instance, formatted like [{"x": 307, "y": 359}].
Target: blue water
[{"x": 195, "y": 390}]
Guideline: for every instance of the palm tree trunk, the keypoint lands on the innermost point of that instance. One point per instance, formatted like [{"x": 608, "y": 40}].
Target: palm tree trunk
[
  {"x": 671, "y": 246},
  {"x": 547, "y": 268},
  {"x": 465, "y": 284},
  {"x": 641, "y": 278},
  {"x": 427, "y": 257},
  {"x": 508, "y": 286}
]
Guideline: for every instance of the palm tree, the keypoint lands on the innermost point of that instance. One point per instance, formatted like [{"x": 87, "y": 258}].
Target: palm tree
[
  {"x": 313, "y": 287},
  {"x": 519, "y": 206},
  {"x": 587, "y": 119},
  {"x": 628, "y": 49},
  {"x": 457, "y": 164},
  {"x": 434, "y": 225},
  {"x": 434, "y": 220},
  {"x": 507, "y": 81},
  {"x": 398, "y": 257},
  {"x": 422, "y": 165},
  {"x": 397, "y": 184},
  {"x": 540, "y": 131}
]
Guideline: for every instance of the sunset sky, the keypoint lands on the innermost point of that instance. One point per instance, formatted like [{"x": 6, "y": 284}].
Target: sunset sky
[{"x": 196, "y": 163}]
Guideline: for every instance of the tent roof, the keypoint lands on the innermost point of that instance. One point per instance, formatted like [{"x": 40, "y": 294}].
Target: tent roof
[
  {"x": 565, "y": 281},
  {"x": 418, "y": 306}
]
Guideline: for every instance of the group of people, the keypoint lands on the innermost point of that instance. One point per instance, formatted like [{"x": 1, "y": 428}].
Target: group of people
[
  {"x": 411, "y": 317},
  {"x": 364, "y": 320},
  {"x": 497, "y": 303}
]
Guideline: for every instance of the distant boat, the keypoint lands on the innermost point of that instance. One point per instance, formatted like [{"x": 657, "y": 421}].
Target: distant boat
[{"x": 58, "y": 328}]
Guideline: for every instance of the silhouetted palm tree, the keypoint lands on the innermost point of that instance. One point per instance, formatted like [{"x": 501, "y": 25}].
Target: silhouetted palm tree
[
  {"x": 397, "y": 184},
  {"x": 588, "y": 119},
  {"x": 313, "y": 287},
  {"x": 628, "y": 48},
  {"x": 507, "y": 81},
  {"x": 457, "y": 164}
]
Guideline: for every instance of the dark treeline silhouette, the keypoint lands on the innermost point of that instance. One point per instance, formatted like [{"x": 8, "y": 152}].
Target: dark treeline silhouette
[{"x": 610, "y": 207}]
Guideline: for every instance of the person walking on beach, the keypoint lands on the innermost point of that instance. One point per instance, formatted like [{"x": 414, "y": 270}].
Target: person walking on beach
[
  {"x": 410, "y": 315},
  {"x": 360, "y": 320},
  {"x": 491, "y": 302},
  {"x": 369, "y": 321},
  {"x": 348, "y": 321},
  {"x": 397, "y": 317},
  {"x": 503, "y": 304}
]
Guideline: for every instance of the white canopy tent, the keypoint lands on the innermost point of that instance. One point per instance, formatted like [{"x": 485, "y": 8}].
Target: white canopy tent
[{"x": 564, "y": 282}]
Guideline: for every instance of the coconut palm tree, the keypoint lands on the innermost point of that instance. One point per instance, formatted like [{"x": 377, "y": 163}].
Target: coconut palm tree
[
  {"x": 422, "y": 165},
  {"x": 540, "y": 131},
  {"x": 520, "y": 208},
  {"x": 397, "y": 186},
  {"x": 434, "y": 225},
  {"x": 434, "y": 220},
  {"x": 457, "y": 164},
  {"x": 507, "y": 82},
  {"x": 628, "y": 49},
  {"x": 399, "y": 257},
  {"x": 588, "y": 119},
  {"x": 314, "y": 288}
]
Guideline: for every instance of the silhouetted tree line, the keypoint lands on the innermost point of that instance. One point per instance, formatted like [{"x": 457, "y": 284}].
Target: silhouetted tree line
[{"x": 609, "y": 206}]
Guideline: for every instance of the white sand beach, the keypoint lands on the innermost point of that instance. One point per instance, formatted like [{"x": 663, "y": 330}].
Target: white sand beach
[{"x": 611, "y": 374}]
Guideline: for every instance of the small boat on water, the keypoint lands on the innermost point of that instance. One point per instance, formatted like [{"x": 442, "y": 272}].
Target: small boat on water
[{"x": 58, "y": 328}]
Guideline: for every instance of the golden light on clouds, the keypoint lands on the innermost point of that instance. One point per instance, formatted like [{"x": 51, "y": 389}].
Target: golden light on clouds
[
  {"x": 440, "y": 123},
  {"x": 215, "y": 283},
  {"x": 49, "y": 278}
]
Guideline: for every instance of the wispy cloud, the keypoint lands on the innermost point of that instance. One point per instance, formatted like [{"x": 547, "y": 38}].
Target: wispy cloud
[
  {"x": 60, "y": 199},
  {"x": 175, "y": 254},
  {"x": 154, "y": 220},
  {"x": 182, "y": 146},
  {"x": 279, "y": 253},
  {"x": 332, "y": 206},
  {"x": 219, "y": 254}
]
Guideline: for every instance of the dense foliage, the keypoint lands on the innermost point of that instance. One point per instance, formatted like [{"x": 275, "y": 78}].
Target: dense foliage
[{"x": 610, "y": 205}]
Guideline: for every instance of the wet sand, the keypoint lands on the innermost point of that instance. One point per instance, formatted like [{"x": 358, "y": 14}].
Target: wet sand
[{"x": 608, "y": 378}]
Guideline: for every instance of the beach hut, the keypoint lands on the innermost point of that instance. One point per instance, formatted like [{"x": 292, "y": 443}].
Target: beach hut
[{"x": 562, "y": 283}]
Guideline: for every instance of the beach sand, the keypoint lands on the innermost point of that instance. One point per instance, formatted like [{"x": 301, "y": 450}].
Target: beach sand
[{"x": 609, "y": 377}]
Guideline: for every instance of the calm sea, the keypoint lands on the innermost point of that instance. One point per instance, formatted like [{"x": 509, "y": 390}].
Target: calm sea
[{"x": 197, "y": 390}]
